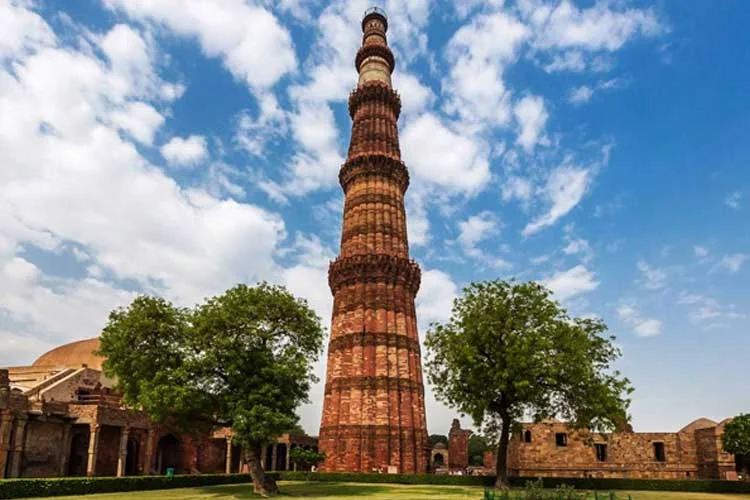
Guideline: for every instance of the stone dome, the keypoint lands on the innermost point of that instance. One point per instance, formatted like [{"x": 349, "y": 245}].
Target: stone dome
[{"x": 73, "y": 355}]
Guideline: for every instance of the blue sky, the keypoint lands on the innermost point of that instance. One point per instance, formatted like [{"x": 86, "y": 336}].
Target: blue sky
[{"x": 178, "y": 147}]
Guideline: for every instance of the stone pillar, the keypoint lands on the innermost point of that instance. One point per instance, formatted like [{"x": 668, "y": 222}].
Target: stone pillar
[
  {"x": 288, "y": 458},
  {"x": 93, "y": 449},
  {"x": 273, "y": 456},
  {"x": 64, "y": 450},
  {"x": 122, "y": 454},
  {"x": 17, "y": 451},
  {"x": 6, "y": 423},
  {"x": 263, "y": 455},
  {"x": 229, "y": 455},
  {"x": 148, "y": 467}
]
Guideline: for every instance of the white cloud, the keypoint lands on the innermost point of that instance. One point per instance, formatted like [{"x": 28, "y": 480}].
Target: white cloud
[
  {"x": 415, "y": 96},
  {"x": 474, "y": 230},
  {"x": 439, "y": 156},
  {"x": 578, "y": 246},
  {"x": 517, "y": 188},
  {"x": 700, "y": 251},
  {"x": 580, "y": 95},
  {"x": 642, "y": 327},
  {"x": 733, "y": 200},
  {"x": 570, "y": 60},
  {"x": 77, "y": 183},
  {"x": 565, "y": 188},
  {"x": 572, "y": 282},
  {"x": 140, "y": 120},
  {"x": 531, "y": 117},
  {"x": 22, "y": 30},
  {"x": 733, "y": 263},
  {"x": 598, "y": 28},
  {"x": 186, "y": 152},
  {"x": 435, "y": 298},
  {"x": 249, "y": 39},
  {"x": 652, "y": 278},
  {"x": 479, "y": 53}
]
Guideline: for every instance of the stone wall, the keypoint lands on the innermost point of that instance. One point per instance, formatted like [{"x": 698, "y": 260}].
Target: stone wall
[
  {"x": 43, "y": 448},
  {"x": 557, "y": 450}
]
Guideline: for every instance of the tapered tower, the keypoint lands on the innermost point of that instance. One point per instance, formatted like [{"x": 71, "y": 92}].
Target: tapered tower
[{"x": 373, "y": 412}]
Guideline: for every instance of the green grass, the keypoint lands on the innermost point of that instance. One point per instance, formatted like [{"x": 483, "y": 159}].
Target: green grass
[{"x": 345, "y": 491}]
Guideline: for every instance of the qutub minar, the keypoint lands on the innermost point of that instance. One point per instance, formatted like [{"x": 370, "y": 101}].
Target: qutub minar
[{"x": 374, "y": 411}]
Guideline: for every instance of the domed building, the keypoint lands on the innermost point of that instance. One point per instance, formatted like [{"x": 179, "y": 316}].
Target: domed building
[{"x": 61, "y": 417}]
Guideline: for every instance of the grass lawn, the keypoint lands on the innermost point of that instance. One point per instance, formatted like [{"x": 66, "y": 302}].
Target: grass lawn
[{"x": 343, "y": 491}]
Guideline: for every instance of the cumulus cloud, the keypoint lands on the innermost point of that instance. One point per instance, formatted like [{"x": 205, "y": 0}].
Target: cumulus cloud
[
  {"x": 652, "y": 278},
  {"x": 248, "y": 39},
  {"x": 642, "y": 327},
  {"x": 733, "y": 200},
  {"x": 518, "y": 188},
  {"x": 185, "y": 152},
  {"x": 435, "y": 299},
  {"x": 70, "y": 180},
  {"x": 580, "y": 95},
  {"x": 565, "y": 188},
  {"x": 733, "y": 263},
  {"x": 531, "y": 117},
  {"x": 572, "y": 282},
  {"x": 437, "y": 155}
]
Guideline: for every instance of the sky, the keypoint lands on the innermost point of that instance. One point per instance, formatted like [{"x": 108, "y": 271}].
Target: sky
[{"x": 178, "y": 147}]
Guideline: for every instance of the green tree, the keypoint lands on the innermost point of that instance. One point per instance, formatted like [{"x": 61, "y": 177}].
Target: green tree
[
  {"x": 510, "y": 351},
  {"x": 305, "y": 458},
  {"x": 477, "y": 447},
  {"x": 437, "y": 438},
  {"x": 241, "y": 359},
  {"x": 736, "y": 438}
]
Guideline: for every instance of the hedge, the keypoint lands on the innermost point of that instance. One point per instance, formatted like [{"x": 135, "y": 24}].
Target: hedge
[
  {"x": 25, "y": 488},
  {"x": 599, "y": 484}
]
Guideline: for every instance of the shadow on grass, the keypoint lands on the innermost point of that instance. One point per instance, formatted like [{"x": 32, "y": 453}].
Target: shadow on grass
[{"x": 297, "y": 490}]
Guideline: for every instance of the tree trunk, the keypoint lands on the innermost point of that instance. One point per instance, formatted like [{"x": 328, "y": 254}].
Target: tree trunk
[
  {"x": 501, "y": 460},
  {"x": 262, "y": 484}
]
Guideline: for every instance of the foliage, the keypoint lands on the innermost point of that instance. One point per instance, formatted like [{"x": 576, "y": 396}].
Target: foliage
[
  {"x": 241, "y": 359},
  {"x": 26, "y": 488},
  {"x": 534, "y": 490},
  {"x": 509, "y": 350},
  {"x": 437, "y": 438},
  {"x": 477, "y": 446},
  {"x": 305, "y": 458},
  {"x": 736, "y": 437}
]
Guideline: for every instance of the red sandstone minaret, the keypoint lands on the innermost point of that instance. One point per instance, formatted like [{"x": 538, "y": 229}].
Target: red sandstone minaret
[{"x": 373, "y": 413}]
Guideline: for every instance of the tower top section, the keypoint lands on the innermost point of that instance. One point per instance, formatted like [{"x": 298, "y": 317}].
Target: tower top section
[
  {"x": 374, "y": 60},
  {"x": 375, "y": 13}
]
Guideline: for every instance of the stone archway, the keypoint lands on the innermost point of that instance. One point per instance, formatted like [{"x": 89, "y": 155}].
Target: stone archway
[
  {"x": 131, "y": 460},
  {"x": 169, "y": 454},
  {"x": 79, "y": 452},
  {"x": 438, "y": 459}
]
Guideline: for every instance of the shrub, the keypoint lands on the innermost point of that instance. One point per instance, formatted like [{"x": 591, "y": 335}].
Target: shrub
[{"x": 25, "y": 488}]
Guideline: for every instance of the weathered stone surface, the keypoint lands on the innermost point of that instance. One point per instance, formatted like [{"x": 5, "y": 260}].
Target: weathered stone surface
[
  {"x": 458, "y": 446},
  {"x": 373, "y": 411}
]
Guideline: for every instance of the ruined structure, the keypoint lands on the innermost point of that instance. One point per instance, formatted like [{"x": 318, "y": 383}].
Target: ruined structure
[
  {"x": 458, "y": 446},
  {"x": 60, "y": 417},
  {"x": 374, "y": 412},
  {"x": 553, "y": 449}
]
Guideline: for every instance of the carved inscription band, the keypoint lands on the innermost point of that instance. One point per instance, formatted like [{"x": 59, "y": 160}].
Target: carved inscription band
[
  {"x": 374, "y": 51},
  {"x": 374, "y": 268},
  {"x": 374, "y": 198},
  {"x": 373, "y": 383},
  {"x": 354, "y": 431},
  {"x": 375, "y": 165},
  {"x": 374, "y": 92},
  {"x": 388, "y": 339}
]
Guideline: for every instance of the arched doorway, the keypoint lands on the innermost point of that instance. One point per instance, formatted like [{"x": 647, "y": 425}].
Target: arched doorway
[
  {"x": 79, "y": 452},
  {"x": 168, "y": 455},
  {"x": 131, "y": 460},
  {"x": 281, "y": 456},
  {"x": 269, "y": 457},
  {"x": 438, "y": 460}
]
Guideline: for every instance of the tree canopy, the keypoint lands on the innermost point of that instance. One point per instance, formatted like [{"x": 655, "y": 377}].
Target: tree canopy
[
  {"x": 242, "y": 359},
  {"x": 477, "y": 446},
  {"x": 437, "y": 438},
  {"x": 736, "y": 438},
  {"x": 509, "y": 351}
]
